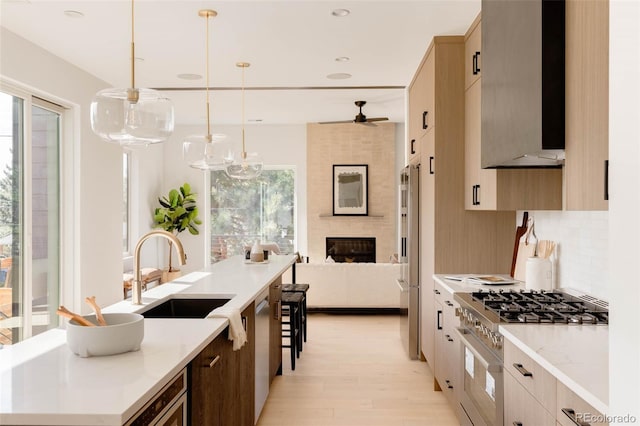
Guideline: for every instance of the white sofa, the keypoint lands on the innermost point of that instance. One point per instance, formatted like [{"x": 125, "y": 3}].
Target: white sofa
[{"x": 350, "y": 285}]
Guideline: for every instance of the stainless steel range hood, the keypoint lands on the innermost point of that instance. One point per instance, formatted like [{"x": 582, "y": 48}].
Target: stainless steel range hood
[{"x": 523, "y": 83}]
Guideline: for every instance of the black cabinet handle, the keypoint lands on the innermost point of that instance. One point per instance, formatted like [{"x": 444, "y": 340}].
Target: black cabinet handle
[
  {"x": 517, "y": 423},
  {"x": 424, "y": 119},
  {"x": 523, "y": 370},
  {"x": 606, "y": 180},
  {"x": 570, "y": 412},
  {"x": 438, "y": 317},
  {"x": 476, "y": 68},
  {"x": 431, "y": 165},
  {"x": 413, "y": 146},
  {"x": 476, "y": 195}
]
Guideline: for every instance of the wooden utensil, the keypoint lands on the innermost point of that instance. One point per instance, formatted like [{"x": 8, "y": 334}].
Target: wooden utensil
[
  {"x": 64, "y": 312},
  {"x": 520, "y": 231},
  {"x": 92, "y": 302}
]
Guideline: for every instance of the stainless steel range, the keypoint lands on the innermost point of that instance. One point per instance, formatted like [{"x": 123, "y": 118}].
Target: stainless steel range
[{"x": 480, "y": 315}]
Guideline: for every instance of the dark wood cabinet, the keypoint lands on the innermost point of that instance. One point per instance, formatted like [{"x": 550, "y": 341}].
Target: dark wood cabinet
[
  {"x": 275, "y": 329},
  {"x": 221, "y": 380},
  {"x": 208, "y": 382}
]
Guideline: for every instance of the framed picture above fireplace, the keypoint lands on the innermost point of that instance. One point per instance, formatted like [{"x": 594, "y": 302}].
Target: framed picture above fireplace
[{"x": 350, "y": 190}]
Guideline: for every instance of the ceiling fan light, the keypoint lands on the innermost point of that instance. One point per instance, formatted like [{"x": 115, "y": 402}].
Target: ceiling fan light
[{"x": 132, "y": 116}]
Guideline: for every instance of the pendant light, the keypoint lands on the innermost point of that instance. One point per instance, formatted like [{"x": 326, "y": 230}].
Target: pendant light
[
  {"x": 249, "y": 165},
  {"x": 132, "y": 116},
  {"x": 201, "y": 151}
]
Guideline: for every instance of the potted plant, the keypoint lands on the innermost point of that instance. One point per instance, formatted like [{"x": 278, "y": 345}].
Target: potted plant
[{"x": 177, "y": 212}]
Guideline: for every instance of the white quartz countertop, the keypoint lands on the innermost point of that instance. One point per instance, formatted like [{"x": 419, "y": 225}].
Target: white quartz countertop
[
  {"x": 460, "y": 284},
  {"x": 577, "y": 355},
  {"x": 44, "y": 383}
]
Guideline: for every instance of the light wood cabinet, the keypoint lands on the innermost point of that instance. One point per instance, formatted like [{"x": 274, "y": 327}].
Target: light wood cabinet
[
  {"x": 521, "y": 408},
  {"x": 473, "y": 53},
  {"x": 587, "y": 104},
  {"x": 499, "y": 189},
  {"x": 570, "y": 407},
  {"x": 452, "y": 239},
  {"x": 421, "y": 115},
  {"x": 447, "y": 346},
  {"x": 531, "y": 376},
  {"x": 533, "y": 396}
]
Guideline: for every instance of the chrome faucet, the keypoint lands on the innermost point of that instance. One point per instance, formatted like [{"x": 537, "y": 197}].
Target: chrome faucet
[{"x": 136, "y": 289}]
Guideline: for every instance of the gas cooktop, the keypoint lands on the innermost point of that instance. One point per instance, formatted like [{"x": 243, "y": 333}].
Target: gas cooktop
[{"x": 530, "y": 306}]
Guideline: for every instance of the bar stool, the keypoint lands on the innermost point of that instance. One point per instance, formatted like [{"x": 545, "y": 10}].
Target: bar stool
[
  {"x": 301, "y": 289},
  {"x": 292, "y": 309}
]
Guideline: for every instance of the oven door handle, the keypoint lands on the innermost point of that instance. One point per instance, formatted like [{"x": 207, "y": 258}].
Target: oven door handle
[{"x": 486, "y": 358}]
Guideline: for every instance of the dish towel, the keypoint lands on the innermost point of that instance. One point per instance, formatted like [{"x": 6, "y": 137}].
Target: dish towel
[{"x": 237, "y": 332}]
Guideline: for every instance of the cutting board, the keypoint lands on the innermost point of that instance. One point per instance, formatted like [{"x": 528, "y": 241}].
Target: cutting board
[
  {"x": 520, "y": 255},
  {"x": 526, "y": 249}
]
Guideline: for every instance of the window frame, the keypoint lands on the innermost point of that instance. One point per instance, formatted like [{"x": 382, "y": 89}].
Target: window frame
[{"x": 31, "y": 98}]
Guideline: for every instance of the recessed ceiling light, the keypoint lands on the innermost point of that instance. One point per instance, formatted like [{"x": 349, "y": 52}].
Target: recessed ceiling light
[
  {"x": 342, "y": 59},
  {"x": 340, "y": 12},
  {"x": 339, "y": 76},
  {"x": 73, "y": 14},
  {"x": 188, "y": 76}
]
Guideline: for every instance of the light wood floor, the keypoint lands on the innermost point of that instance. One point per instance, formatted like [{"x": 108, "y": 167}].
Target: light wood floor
[{"x": 354, "y": 371}]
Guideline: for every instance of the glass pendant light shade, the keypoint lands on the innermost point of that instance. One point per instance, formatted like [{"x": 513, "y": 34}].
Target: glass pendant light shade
[
  {"x": 248, "y": 165},
  {"x": 204, "y": 153},
  {"x": 132, "y": 116}
]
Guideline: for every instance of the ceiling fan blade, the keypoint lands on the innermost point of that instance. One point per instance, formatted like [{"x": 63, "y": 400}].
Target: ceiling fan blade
[
  {"x": 335, "y": 122},
  {"x": 378, "y": 119}
]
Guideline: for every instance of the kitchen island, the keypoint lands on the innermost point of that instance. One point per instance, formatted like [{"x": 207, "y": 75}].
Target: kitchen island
[{"x": 44, "y": 383}]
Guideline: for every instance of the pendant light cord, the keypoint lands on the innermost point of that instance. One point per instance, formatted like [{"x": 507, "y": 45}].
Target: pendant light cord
[
  {"x": 133, "y": 50},
  {"x": 244, "y": 151},
  {"x": 209, "y": 138}
]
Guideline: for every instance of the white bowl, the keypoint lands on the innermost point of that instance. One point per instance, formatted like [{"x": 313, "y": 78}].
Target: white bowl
[{"x": 123, "y": 333}]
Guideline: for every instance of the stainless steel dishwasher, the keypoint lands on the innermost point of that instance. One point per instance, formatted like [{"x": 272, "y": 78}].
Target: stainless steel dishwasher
[{"x": 262, "y": 352}]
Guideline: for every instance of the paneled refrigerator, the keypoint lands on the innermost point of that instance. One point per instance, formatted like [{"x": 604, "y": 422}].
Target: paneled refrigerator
[{"x": 409, "y": 249}]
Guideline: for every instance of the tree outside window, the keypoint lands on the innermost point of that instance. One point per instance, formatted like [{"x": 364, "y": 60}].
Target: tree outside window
[{"x": 243, "y": 211}]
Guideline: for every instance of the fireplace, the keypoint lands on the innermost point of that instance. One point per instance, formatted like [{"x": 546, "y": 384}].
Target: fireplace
[{"x": 351, "y": 249}]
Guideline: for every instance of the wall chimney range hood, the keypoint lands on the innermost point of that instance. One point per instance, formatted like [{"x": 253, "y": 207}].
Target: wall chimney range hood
[{"x": 523, "y": 83}]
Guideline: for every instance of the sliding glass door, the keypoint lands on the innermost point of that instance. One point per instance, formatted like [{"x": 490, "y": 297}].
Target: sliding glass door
[{"x": 30, "y": 134}]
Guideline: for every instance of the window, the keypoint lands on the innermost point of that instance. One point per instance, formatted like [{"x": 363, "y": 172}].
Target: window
[
  {"x": 243, "y": 211},
  {"x": 30, "y": 134},
  {"x": 126, "y": 198}
]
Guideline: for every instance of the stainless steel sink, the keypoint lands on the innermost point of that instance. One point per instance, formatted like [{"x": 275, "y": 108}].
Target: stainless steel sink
[{"x": 184, "y": 308}]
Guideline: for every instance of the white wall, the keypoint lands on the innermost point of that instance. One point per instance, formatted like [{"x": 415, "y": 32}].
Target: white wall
[
  {"x": 92, "y": 216},
  {"x": 583, "y": 247},
  {"x": 624, "y": 208},
  {"x": 279, "y": 145}
]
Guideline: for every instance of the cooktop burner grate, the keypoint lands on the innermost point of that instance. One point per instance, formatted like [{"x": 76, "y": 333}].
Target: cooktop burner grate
[{"x": 542, "y": 307}]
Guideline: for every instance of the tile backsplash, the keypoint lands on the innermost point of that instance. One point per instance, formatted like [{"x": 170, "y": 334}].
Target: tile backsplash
[{"x": 583, "y": 247}]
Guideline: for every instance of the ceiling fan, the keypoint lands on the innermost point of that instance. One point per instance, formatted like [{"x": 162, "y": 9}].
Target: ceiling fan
[{"x": 360, "y": 118}]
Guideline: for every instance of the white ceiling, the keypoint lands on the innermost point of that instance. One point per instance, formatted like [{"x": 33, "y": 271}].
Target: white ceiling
[{"x": 290, "y": 44}]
